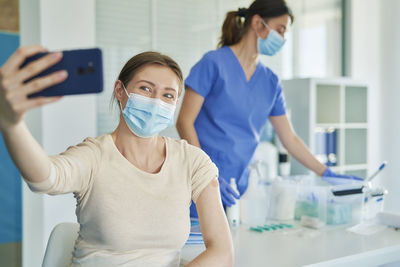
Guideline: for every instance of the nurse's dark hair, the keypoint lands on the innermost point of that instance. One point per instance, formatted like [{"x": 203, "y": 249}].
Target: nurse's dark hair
[
  {"x": 136, "y": 63},
  {"x": 237, "y": 23}
]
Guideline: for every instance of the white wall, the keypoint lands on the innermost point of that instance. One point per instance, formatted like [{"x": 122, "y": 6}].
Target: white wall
[
  {"x": 364, "y": 64},
  {"x": 389, "y": 99},
  {"x": 57, "y": 25},
  {"x": 375, "y": 58}
]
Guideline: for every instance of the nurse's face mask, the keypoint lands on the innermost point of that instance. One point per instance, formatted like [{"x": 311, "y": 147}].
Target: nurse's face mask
[
  {"x": 147, "y": 116},
  {"x": 272, "y": 44}
]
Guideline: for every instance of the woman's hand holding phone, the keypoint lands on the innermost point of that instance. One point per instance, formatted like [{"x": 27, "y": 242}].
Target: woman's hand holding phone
[{"x": 14, "y": 89}]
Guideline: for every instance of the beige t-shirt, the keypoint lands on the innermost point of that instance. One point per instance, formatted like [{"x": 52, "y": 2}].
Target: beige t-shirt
[{"x": 129, "y": 217}]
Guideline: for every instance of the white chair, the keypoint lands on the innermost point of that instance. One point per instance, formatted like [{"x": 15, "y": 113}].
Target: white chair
[{"x": 61, "y": 245}]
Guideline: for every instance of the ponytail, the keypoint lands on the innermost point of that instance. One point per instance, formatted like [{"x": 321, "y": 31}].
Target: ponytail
[
  {"x": 237, "y": 23},
  {"x": 232, "y": 29}
]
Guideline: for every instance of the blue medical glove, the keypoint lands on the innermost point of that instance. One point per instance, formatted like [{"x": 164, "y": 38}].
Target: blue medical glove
[
  {"x": 336, "y": 179},
  {"x": 227, "y": 192}
]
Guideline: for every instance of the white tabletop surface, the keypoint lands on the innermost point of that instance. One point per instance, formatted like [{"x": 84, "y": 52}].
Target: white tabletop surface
[{"x": 307, "y": 247}]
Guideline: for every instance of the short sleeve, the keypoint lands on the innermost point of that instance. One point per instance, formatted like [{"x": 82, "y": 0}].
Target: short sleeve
[
  {"x": 279, "y": 107},
  {"x": 204, "y": 170},
  {"x": 202, "y": 76},
  {"x": 72, "y": 170}
]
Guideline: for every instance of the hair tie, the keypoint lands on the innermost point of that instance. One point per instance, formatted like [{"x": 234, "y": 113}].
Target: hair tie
[{"x": 242, "y": 12}]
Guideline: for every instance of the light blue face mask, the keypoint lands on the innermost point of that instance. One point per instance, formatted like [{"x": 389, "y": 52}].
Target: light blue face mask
[
  {"x": 147, "y": 116},
  {"x": 272, "y": 44}
]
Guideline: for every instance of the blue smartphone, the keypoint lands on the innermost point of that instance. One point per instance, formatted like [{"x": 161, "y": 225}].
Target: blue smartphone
[{"x": 85, "y": 73}]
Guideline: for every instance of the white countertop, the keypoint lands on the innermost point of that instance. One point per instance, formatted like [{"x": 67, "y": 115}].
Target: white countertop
[{"x": 307, "y": 247}]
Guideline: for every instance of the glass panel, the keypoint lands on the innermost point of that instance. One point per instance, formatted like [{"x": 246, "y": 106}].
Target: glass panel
[
  {"x": 328, "y": 104},
  {"x": 355, "y": 146},
  {"x": 356, "y": 104}
]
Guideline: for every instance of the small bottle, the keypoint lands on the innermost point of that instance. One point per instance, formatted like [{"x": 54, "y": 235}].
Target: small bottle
[
  {"x": 284, "y": 164},
  {"x": 233, "y": 212}
]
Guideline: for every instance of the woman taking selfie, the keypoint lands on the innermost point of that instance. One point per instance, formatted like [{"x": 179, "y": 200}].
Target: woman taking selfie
[{"x": 133, "y": 188}]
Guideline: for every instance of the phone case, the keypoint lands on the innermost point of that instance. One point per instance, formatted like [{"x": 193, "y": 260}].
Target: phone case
[{"x": 85, "y": 73}]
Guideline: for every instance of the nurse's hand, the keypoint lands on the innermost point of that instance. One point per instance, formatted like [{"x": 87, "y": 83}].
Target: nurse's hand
[
  {"x": 336, "y": 179},
  {"x": 14, "y": 90},
  {"x": 227, "y": 192}
]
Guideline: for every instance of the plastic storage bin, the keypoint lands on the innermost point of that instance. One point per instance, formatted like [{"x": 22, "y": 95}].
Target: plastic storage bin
[{"x": 333, "y": 205}]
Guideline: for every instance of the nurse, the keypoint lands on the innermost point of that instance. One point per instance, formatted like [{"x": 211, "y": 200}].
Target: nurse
[{"x": 230, "y": 95}]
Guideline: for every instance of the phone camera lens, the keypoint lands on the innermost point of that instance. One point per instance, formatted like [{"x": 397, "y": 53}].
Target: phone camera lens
[{"x": 91, "y": 70}]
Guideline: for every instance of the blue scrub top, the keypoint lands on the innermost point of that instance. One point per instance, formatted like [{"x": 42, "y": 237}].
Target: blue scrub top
[{"x": 234, "y": 111}]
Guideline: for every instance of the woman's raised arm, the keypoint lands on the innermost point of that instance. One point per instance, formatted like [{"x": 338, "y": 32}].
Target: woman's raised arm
[{"x": 26, "y": 153}]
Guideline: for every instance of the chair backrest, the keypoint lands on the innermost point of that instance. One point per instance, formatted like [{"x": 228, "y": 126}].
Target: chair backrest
[{"x": 61, "y": 245}]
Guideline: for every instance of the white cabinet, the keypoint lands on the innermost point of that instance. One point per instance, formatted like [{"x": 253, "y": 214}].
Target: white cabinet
[{"x": 318, "y": 105}]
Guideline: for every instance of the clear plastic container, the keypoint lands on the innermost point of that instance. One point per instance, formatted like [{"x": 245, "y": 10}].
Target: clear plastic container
[
  {"x": 282, "y": 199},
  {"x": 333, "y": 205},
  {"x": 374, "y": 201}
]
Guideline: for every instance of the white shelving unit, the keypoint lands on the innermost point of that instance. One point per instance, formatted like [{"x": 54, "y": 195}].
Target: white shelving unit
[{"x": 339, "y": 103}]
